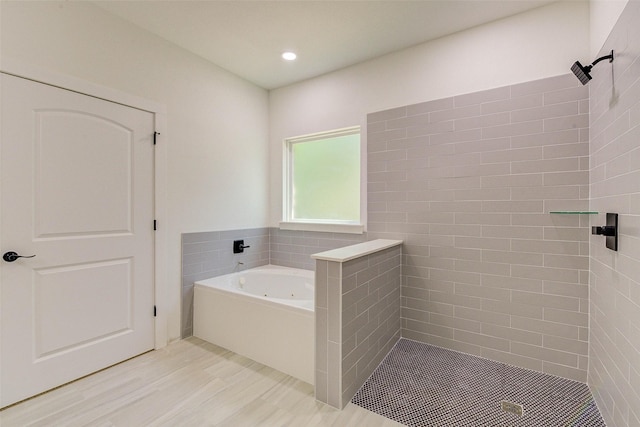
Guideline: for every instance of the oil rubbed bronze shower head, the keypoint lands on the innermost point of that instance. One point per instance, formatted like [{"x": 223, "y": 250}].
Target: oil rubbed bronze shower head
[{"x": 583, "y": 72}]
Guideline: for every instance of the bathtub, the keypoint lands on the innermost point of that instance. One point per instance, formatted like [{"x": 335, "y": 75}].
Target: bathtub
[{"x": 264, "y": 313}]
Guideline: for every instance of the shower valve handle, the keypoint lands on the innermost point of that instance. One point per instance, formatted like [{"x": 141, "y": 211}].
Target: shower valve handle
[
  {"x": 239, "y": 246},
  {"x": 610, "y": 230},
  {"x": 606, "y": 230}
]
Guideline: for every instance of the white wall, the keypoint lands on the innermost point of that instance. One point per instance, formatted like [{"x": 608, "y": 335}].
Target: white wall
[
  {"x": 533, "y": 45},
  {"x": 216, "y": 122},
  {"x": 603, "y": 16}
]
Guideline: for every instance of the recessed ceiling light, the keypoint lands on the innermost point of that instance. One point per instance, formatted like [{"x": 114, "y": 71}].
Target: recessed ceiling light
[{"x": 289, "y": 56}]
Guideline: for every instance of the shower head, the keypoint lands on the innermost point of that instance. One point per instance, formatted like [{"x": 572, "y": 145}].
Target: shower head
[{"x": 583, "y": 72}]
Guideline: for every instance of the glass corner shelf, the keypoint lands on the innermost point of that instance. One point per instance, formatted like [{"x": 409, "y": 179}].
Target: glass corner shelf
[{"x": 574, "y": 212}]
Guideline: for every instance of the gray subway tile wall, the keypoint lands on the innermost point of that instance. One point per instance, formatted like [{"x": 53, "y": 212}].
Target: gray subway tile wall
[
  {"x": 468, "y": 183},
  {"x": 322, "y": 331},
  {"x": 614, "y": 344},
  {"x": 370, "y": 312},
  {"x": 328, "y": 351}
]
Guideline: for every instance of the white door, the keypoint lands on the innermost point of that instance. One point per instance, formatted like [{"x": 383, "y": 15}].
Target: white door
[{"x": 76, "y": 182}]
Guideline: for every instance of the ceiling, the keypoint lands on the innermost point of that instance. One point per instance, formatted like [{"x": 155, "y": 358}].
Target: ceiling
[{"x": 248, "y": 37}]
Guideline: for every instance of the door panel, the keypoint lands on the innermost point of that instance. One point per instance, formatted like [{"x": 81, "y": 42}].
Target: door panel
[
  {"x": 80, "y": 157},
  {"x": 77, "y": 191},
  {"x": 100, "y": 305}
]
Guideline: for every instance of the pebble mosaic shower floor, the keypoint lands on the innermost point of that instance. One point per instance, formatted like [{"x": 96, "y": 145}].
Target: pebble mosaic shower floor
[{"x": 421, "y": 385}]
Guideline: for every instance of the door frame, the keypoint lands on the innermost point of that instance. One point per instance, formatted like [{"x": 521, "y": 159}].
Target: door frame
[{"x": 64, "y": 81}]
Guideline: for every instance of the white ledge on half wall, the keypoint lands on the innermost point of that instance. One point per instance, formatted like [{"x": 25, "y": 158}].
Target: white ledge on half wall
[{"x": 348, "y": 253}]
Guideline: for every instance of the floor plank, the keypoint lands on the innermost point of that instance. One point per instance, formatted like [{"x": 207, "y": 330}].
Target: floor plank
[{"x": 188, "y": 383}]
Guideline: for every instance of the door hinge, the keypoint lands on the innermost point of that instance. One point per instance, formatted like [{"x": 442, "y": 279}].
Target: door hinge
[
  {"x": 155, "y": 225},
  {"x": 155, "y": 311},
  {"x": 155, "y": 137}
]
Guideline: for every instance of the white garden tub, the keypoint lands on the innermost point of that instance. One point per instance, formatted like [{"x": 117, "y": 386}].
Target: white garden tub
[{"x": 265, "y": 314}]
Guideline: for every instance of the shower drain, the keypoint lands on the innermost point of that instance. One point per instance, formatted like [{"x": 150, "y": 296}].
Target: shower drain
[{"x": 514, "y": 408}]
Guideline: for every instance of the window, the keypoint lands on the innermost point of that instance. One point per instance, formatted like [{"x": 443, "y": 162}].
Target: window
[{"x": 322, "y": 181}]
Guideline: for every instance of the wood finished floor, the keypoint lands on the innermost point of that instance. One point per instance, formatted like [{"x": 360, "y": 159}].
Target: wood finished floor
[{"x": 188, "y": 383}]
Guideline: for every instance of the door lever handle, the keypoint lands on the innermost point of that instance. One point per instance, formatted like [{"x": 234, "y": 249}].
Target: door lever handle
[{"x": 12, "y": 256}]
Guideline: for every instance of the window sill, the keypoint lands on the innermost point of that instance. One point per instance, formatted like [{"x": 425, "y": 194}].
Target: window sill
[{"x": 326, "y": 228}]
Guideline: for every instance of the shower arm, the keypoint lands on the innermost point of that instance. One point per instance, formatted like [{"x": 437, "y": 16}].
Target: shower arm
[{"x": 609, "y": 57}]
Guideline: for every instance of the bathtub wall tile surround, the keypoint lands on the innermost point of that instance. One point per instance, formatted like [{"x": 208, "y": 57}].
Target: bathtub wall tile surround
[
  {"x": 210, "y": 254},
  {"x": 614, "y": 345},
  {"x": 468, "y": 183},
  {"x": 357, "y": 319}
]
